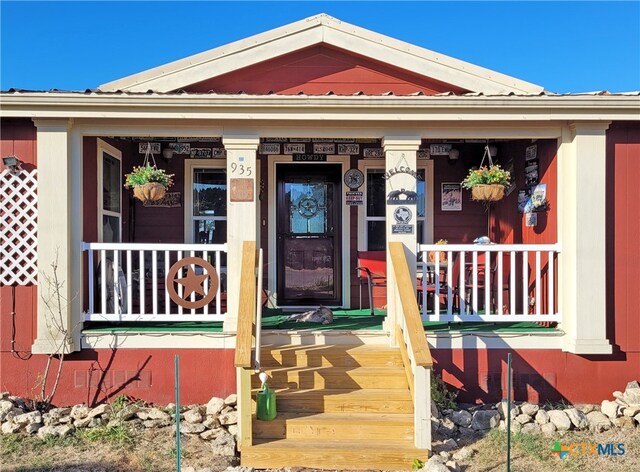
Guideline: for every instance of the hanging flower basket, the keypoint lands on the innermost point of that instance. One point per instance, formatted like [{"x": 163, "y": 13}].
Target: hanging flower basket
[
  {"x": 149, "y": 183},
  {"x": 487, "y": 183},
  {"x": 487, "y": 193},
  {"x": 150, "y": 192}
]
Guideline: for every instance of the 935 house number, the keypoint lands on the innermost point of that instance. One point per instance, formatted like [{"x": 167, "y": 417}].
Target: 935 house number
[{"x": 241, "y": 169}]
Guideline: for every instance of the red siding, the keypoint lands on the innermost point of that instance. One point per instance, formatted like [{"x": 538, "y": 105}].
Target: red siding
[
  {"x": 623, "y": 236},
  {"x": 17, "y": 137},
  {"x": 319, "y": 70},
  {"x": 91, "y": 376},
  {"x": 539, "y": 375},
  {"x": 508, "y": 224},
  {"x": 458, "y": 227}
]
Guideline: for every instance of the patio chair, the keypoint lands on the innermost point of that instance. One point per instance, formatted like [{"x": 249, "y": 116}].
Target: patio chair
[
  {"x": 443, "y": 291},
  {"x": 372, "y": 271},
  {"x": 120, "y": 285}
]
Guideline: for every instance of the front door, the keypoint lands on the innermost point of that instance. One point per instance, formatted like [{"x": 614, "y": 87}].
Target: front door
[{"x": 309, "y": 234}]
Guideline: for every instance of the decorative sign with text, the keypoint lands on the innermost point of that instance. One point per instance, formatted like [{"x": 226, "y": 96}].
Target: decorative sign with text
[
  {"x": 354, "y": 198},
  {"x": 269, "y": 148},
  {"x": 324, "y": 148},
  {"x": 294, "y": 148},
  {"x": 201, "y": 153},
  {"x": 155, "y": 148},
  {"x": 309, "y": 157}
]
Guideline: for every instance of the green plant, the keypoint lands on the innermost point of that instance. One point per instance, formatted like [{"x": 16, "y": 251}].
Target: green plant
[
  {"x": 119, "y": 403},
  {"x": 417, "y": 464},
  {"x": 119, "y": 434},
  {"x": 440, "y": 393},
  {"x": 141, "y": 175},
  {"x": 493, "y": 175}
]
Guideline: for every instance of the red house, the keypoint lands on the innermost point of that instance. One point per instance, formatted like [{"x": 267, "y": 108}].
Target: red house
[{"x": 321, "y": 142}]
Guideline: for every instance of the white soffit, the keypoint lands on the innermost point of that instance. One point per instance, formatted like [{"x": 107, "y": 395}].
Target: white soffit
[{"x": 313, "y": 31}]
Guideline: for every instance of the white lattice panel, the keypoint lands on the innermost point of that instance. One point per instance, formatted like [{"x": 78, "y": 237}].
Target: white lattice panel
[{"x": 18, "y": 228}]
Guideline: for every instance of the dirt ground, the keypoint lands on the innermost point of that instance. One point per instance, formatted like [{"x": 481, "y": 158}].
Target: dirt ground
[{"x": 154, "y": 451}]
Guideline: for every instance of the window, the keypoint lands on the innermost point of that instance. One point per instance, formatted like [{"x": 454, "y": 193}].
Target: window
[
  {"x": 109, "y": 193},
  {"x": 376, "y": 207},
  {"x": 375, "y": 232},
  {"x": 209, "y": 205}
]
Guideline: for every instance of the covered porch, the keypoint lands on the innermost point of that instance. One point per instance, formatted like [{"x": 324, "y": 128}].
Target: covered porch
[{"x": 311, "y": 253}]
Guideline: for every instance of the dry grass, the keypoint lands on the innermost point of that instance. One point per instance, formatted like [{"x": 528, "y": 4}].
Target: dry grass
[
  {"x": 154, "y": 451},
  {"x": 145, "y": 451},
  {"x": 533, "y": 453}
]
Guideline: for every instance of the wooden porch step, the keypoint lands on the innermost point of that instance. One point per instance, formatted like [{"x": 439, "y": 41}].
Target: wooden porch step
[
  {"x": 381, "y": 400},
  {"x": 335, "y": 377},
  {"x": 332, "y": 454},
  {"x": 334, "y": 426},
  {"x": 330, "y": 355}
]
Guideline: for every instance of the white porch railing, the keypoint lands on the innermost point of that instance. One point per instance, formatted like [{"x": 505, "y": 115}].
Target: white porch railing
[
  {"x": 492, "y": 282},
  {"x": 135, "y": 288}
]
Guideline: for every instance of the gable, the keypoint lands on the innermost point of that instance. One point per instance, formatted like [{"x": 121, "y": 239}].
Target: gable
[
  {"x": 319, "y": 70},
  {"x": 381, "y": 60}
]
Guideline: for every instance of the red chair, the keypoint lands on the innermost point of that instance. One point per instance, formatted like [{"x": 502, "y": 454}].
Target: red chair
[{"x": 372, "y": 270}]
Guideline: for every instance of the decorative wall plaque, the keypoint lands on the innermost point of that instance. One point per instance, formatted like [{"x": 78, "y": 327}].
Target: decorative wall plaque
[{"x": 241, "y": 190}]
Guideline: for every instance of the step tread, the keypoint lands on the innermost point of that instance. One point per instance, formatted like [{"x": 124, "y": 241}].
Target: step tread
[
  {"x": 328, "y": 444},
  {"x": 362, "y": 454},
  {"x": 374, "y": 393},
  {"x": 349, "y": 417}
]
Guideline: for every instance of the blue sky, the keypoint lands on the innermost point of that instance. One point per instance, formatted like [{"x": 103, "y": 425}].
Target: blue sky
[{"x": 563, "y": 46}]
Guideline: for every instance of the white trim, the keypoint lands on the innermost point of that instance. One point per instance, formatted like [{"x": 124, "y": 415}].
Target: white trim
[
  {"x": 272, "y": 285},
  {"x": 466, "y": 340},
  {"x": 582, "y": 223},
  {"x": 189, "y": 165},
  {"x": 104, "y": 147},
  {"x": 316, "y": 30},
  {"x": 199, "y": 340},
  {"x": 158, "y": 340},
  {"x": 261, "y": 111}
]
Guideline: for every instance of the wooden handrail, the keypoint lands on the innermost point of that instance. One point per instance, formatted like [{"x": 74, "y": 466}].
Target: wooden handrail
[
  {"x": 247, "y": 306},
  {"x": 411, "y": 312}
]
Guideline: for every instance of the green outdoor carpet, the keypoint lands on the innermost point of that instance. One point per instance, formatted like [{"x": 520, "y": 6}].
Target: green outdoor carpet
[
  {"x": 348, "y": 320},
  {"x": 151, "y": 327},
  {"x": 345, "y": 320}
]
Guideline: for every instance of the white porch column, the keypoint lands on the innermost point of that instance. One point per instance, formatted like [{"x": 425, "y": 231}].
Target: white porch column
[
  {"x": 401, "y": 217},
  {"x": 241, "y": 212},
  {"x": 59, "y": 237},
  {"x": 581, "y": 232}
]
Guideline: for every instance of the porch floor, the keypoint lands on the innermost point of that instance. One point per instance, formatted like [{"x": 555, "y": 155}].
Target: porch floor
[{"x": 344, "y": 320}]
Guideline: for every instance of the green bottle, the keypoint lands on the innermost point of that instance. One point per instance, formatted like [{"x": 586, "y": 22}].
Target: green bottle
[{"x": 265, "y": 401}]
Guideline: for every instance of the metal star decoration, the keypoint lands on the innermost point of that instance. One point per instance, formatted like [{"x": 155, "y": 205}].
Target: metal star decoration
[{"x": 192, "y": 283}]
